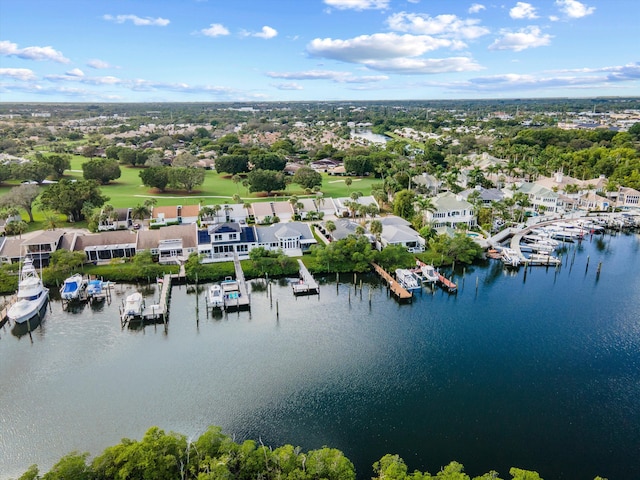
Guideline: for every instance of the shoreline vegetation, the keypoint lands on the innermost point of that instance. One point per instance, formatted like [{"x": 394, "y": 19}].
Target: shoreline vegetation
[{"x": 214, "y": 456}]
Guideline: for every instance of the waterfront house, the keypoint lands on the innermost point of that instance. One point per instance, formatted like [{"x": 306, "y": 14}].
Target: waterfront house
[
  {"x": 542, "y": 198},
  {"x": 103, "y": 247},
  {"x": 171, "y": 244},
  {"x": 293, "y": 238},
  {"x": 487, "y": 195},
  {"x": 451, "y": 210},
  {"x": 219, "y": 242},
  {"x": 626, "y": 198},
  {"x": 398, "y": 231}
]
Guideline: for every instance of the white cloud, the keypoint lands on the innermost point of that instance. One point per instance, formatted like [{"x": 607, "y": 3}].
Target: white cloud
[
  {"x": 574, "y": 9},
  {"x": 529, "y": 37},
  {"x": 443, "y": 25},
  {"x": 476, "y": 8},
  {"x": 75, "y": 72},
  {"x": 11, "y": 49},
  {"x": 138, "y": 21},
  {"x": 98, "y": 64},
  {"x": 379, "y": 46},
  {"x": 266, "y": 33},
  {"x": 215, "y": 30},
  {"x": 358, "y": 4},
  {"x": 523, "y": 10},
  {"x": 422, "y": 66},
  {"x": 288, "y": 86},
  {"x": 338, "y": 77},
  {"x": 23, "y": 74}
]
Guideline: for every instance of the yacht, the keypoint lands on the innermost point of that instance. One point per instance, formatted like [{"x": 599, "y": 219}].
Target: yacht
[
  {"x": 429, "y": 273},
  {"x": 72, "y": 287},
  {"x": 215, "y": 297},
  {"x": 407, "y": 279},
  {"x": 32, "y": 295}
]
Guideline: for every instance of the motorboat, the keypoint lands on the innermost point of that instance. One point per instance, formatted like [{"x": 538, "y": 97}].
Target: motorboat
[
  {"x": 429, "y": 273},
  {"x": 510, "y": 257},
  {"x": 72, "y": 287},
  {"x": 230, "y": 288},
  {"x": 133, "y": 306},
  {"x": 95, "y": 289},
  {"x": 32, "y": 295},
  {"x": 215, "y": 296},
  {"x": 407, "y": 279}
]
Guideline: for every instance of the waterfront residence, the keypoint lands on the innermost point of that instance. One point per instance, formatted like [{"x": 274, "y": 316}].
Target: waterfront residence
[
  {"x": 451, "y": 210},
  {"x": 487, "y": 195},
  {"x": 103, "y": 247},
  {"x": 171, "y": 244},
  {"x": 398, "y": 231},
  {"x": 542, "y": 199},
  {"x": 118, "y": 219},
  {"x": 593, "y": 201},
  {"x": 174, "y": 215},
  {"x": 219, "y": 242},
  {"x": 626, "y": 198},
  {"x": 293, "y": 238},
  {"x": 344, "y": 228},
  {"x": 572, "y": 186}
]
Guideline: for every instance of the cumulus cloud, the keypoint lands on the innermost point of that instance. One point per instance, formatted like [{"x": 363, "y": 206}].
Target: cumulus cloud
[
  {"x": 424, "y": 66},
  {"x": 266, "y": 32},
  {"x": 75, "y": 72},
  {"x": 379, "y": 46},
  {"x": 215, "y": 30},
  {"x": 574, "y": 9},
  {"x": 476, "y": 8},
  {"x": 358, "y": 4},
  {"x": 138, "y": 21},
  {"x": 98, "y": 64},
  {"x": 529, "y": 37},
  {"x": 338, "y": 77},
  {"x": 522, "y": 11},
  {"x": 11, "y": 49},
  {"x": 23, "y": 74},
  {"x": 449, "y": 26}
]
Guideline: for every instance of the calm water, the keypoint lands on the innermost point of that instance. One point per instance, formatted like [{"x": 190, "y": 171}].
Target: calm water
[
  {"x": 367, "y": 134},
  {"x": 541, "y": 372}
]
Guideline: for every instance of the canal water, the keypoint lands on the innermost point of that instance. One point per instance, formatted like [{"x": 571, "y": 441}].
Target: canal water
[{"x": 539, "y": 371}]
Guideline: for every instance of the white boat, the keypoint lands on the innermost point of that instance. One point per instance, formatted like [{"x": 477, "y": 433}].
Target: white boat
[
  {"x": 510, "y": 257},
  {"x": 230, "y": 288},
  {"x": 429, "y": 273},
  {"x": 32, "y": 295},
  {"x": 215, "y": 297},
  {"x": 407, "y": 279},
  {"x": 72, "y": 287},
  {"x": 133, "y": 306}
]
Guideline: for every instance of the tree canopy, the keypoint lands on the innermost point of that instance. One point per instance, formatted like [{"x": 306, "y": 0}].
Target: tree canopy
[
  {"x": 69, "y": 197},
  {"x": 101, "y": 169}
]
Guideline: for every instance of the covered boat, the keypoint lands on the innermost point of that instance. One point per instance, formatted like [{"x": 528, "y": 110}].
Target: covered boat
[{"x": 72, "y": 287}]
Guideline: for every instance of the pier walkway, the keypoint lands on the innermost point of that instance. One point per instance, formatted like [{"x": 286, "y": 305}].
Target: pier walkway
[
  {"x": 239, "y": 300},
  {"x": 307, "y": 284},
  {"x": 160, "y": 310},
  {"x": 398, "y": 290}
]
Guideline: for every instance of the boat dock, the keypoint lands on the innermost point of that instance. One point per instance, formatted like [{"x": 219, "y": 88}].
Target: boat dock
[
  {"x": 396, "y": 289},
  {"x": 447, "y": 284},
  {"x": 4, "y": 313},
  {"x": 307, "y": 284},
  {"x": 160, "y": 310},
  {"x": 239, "y": 299}
]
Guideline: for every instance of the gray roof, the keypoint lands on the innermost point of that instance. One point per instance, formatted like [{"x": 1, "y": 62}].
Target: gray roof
[
  {"x": 117, "y": 237},
  {"x": 399, "y": 234},
  {"x": 448, "y": 201},
  {"x": 394, "y": 220},
  {"x": 272, "y": 233},
  {"x": 486, "y": 194}
]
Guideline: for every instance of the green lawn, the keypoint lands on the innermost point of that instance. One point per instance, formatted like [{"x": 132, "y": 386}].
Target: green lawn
[{"x": 128, "y": 190}]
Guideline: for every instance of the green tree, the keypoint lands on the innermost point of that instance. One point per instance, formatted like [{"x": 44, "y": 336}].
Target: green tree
[
  {"x": 186, "y": 178},
  {"x": 33, "y": 171},
  {"x": 232, "y": 164},
  {"x": 68, "y": 197},
  {"x": 403, "y": 204},
  {"x": 58, "y": 164},
  {"x": 265, "y": 181},
  {"x": 155, "y": 177},
  {"x": 307, "y": 177},
  {"x": 72, "y": 466},
  {"x": 23, "y": 196},
  {"x": 101, "y": 169},
  {"x": 268, "y": 161},
  {"x": 184, "y": 159}
]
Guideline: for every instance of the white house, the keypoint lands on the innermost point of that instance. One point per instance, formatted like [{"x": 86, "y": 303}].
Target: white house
[
  {"x": 397, "y": 231},
  {"x": 451, "y": 210}
]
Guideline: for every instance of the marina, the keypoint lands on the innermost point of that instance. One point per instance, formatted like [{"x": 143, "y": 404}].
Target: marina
[{"x": 433, "y": 366}]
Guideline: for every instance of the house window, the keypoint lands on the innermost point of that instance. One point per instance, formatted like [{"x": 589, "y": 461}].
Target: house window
[{"x": 217, "y": 237}]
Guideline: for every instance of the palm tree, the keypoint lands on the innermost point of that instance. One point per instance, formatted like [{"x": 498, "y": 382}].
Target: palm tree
[
  {"x": 140, "y": 212},
  {"x": 236, "y": 198},
  {"x": 216, "y": 210},
  {"x": 375, "y": 227}
]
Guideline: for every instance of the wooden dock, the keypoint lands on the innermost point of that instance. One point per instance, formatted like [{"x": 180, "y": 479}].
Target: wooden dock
[
  {"x": 307, "y": 284},
  {"x": 239, "y": 300},
  {"x": 396, "y": 289},
  {"x": 447, "y": 284},
  {"x": 4, "y": 313},
  {"x": 159, "y": 311}
]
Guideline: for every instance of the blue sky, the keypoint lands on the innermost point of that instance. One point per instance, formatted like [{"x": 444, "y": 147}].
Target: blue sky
[{"x": 297, "y": 50}]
